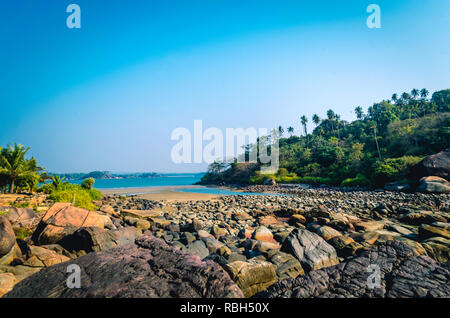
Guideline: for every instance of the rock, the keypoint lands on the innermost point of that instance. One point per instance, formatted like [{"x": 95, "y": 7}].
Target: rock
[
  {"x": 11, "y": 256},
  {"x": 369, "y": 226},
  {"x": 416, "y": 246},
  {"x": 212, "y": 244},
  {"x": 109, "y": 210},
  {"x": 252, "y": 277},
  {"x": 437, "y": 248},
  {"x": 328, "y": 232},
  {"x": 397, "y": 186},
  {"x": 310, "y": 249},
  {"x": 187, "y": 238},
  {"x": 287, "y": 265},
  {"x": 7, "y": 282},
  {"x": 400, "y": 229},
  {"x": 236, "y": 257},
  {"x": 7, "y": 236},
  {"x": 427, "y": 231},
  {"x": 147, "y": 268},
  {"x": 42, "y": 257},
  {"x": 434, "y": 165},
  {"x": 20, "y": 217},
  {"x": 138, "y": 223},
  {"x": 417, "y": 218},
  {"x": 63, "y": 219},
  {"x": 433, "y": 185},
  {"x": 403, "y": 274},
  {"x": 369, "y": 237},
  {"x": 197, "y": 248},
  {"x": 297, "y": 218},
  {"x": 268, "y": 220},
  {"x": 262, "y": 233},
  {"x": 140, "y": 214},
  {"x": 241, "y": 216},
  {"x": 89, "y": 239}
]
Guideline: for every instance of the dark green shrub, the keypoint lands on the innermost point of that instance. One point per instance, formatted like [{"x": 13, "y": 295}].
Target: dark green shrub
[{"x": 88, "y": 183}]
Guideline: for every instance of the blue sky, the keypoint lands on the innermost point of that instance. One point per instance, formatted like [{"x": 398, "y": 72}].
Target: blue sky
[{"x": 108, "y": 95}]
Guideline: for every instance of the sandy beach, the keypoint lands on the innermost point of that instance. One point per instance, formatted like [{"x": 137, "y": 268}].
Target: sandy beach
[{"x": 169, "y": 193}]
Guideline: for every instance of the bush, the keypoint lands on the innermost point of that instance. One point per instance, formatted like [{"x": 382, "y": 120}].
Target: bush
[
  {"x": 80, "y": 196},
  {"x": 359, "y": 181},
  {"x": 88, "y": 183},
  {"x": 393, "y": 169}
]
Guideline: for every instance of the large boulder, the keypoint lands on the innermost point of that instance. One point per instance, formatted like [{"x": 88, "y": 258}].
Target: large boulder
[
  {"x": 147, "y": 268},
  {"x": 310, "y": 249},
  {"x": 433, "y": 184},
  {"x": 20, "y": 217},
  {"x": 7, "y": 236},
  {"x": 7, "y": 281},
  {"x": 63, "y": 219},
  {"x": 42, "y": 257},
  {"x": 252, "y": 276},
  {"x": 402, "y": 274},
  {"x": 434, "y": 165}
]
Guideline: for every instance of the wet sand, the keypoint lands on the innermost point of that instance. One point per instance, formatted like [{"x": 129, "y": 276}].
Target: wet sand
[{"x": 168, "y": 193}]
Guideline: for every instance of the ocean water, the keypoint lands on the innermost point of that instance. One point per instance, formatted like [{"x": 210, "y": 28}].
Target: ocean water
[{"x": 164, "y": 180}]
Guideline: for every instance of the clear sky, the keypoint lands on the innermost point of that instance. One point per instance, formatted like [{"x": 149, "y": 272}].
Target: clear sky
[{"x": 107, "y": 96}]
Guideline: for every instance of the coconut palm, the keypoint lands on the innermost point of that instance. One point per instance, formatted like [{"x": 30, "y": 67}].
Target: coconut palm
[
  {"x": 424, "y": 93},
  {"x": 290, "y": 130},
  {"x": 394, "y": 98},
  {"x": 316, "y": 119},
  {"x": 280, "y": 131},
  {"x": 304, "y": 121},
  {"x": 415, "y": 93},
  {"x": 13, "y": 165},
  {"x": 359, "y": 112}
]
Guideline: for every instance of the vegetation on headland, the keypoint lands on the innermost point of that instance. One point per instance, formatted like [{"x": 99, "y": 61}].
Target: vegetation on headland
[
  {"x": 107, "y": 175},
  {"x": 21, "y": 174},
  {"x": 380, "y": 146}
]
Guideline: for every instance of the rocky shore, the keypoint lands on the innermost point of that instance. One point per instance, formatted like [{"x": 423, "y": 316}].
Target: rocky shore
[{"x": 307, "y": 243}]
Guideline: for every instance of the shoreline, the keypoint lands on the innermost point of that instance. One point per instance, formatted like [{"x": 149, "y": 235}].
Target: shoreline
[{"x": 163, "y": 193}]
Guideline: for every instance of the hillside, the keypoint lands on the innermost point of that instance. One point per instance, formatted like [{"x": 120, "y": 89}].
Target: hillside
[{"x": 380, "y": 146}]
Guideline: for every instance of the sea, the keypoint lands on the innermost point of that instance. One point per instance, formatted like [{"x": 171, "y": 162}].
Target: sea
[{"x": 165, "y": 180}]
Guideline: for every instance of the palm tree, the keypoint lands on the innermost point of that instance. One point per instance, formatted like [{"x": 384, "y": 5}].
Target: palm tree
[
  {"x": 57, "y": 180},
  {"x": 415, "y": 92},
  {"x": 359, "y": 112},
  {"x": 394, "y": 98},
  {"x": 13, "y": 164},
  {"x": 304, "y": 121},
  {"x": 316, "y": 119},
  {"x": 330, "y": 114},
  {"x": 290, "y": 130},
  {"x": 373, "y": 125},
  {"x": 424, "y": 93},
  {"x": 280, "y": 131}
]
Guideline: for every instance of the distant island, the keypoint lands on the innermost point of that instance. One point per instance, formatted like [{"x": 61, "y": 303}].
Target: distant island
[{"x": 107, "y": 175}]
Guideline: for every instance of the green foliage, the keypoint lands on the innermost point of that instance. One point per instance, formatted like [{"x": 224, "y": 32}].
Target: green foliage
[
  {"x": 74, "y": 193},
  {"x": 379, "y": 147},
  {"x": 22, "y": 233},
  {"x": 20, "y": 205},
  {"x": 393, "y": 169},
  {"x": 360, "y": 180},
  {"x": 16, "y": 171},
  {"x": 88, "y": 183}
]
